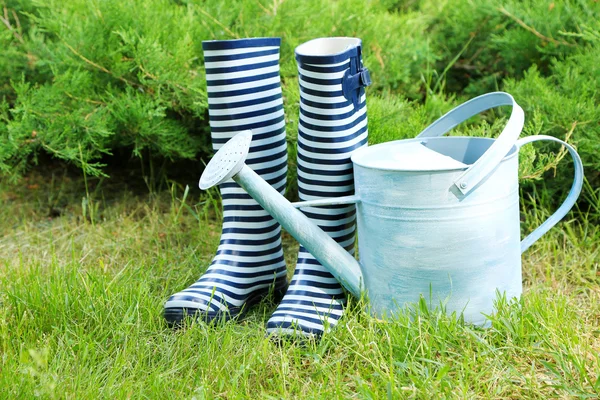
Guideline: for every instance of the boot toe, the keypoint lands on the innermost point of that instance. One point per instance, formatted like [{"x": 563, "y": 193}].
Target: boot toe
[
  {"x": 300, "y": 323},
  {"x": 181, "y": 306},
  {"x": 290, "y": 328}
]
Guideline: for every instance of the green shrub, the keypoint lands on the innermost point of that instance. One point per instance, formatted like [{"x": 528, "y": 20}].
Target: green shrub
[
  {"x": 81, "y": 79},
  {"x": 486, "y": 41},
  {"x": 568, "y": 102}
]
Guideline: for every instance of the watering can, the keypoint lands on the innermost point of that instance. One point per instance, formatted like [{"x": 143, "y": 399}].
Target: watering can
[{"x": 447, "y": 231}]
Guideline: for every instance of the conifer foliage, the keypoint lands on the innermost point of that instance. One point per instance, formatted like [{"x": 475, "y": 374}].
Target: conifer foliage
[{"x": 83, "y": 78}]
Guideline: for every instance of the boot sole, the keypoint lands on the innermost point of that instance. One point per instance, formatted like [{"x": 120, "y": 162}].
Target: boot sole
[{"x": 175, "y": 317}]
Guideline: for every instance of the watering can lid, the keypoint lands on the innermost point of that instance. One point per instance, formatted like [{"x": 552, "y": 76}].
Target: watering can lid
[{"x": 405, "y": 155}]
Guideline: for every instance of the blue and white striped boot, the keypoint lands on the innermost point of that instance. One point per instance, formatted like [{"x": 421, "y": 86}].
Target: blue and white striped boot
[
  {"x": 244, "y": 92},
  {"x": 333, "y": 123}
]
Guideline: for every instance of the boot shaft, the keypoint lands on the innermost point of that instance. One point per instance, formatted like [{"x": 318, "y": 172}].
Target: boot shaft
[
  {"x": 244, "y": 92},
  {"x": 332, "y": 124},
  {"x": 333, "y": 118}
]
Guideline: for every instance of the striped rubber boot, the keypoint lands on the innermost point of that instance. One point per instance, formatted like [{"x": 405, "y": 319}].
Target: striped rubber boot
[
  {"x": 244, "y": 92},
  {"x": 333, "y": 123}
]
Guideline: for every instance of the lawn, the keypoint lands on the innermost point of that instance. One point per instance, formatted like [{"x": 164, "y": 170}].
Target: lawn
[
  {"x": 83, "y": 288},
  {"x": 103, "y": 136}
]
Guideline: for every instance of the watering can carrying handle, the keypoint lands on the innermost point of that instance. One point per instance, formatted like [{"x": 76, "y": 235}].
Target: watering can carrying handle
[
  {"x": 486, "y": 163},
  {"x": 571, "y": 197},
  {"x": 494, "y": 155}
]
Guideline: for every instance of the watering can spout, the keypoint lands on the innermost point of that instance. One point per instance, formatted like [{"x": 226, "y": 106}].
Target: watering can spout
[{"x": 228, "y": 163}]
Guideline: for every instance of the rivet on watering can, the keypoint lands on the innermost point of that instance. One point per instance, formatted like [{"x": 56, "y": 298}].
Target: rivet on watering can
[{"x": 463, "y": 185}]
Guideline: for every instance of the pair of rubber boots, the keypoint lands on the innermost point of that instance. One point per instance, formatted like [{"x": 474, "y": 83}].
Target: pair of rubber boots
[{"x": 244, "y": 92}]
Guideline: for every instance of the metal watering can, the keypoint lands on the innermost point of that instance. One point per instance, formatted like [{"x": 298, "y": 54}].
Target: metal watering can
[{"x": 450, "y": 234}]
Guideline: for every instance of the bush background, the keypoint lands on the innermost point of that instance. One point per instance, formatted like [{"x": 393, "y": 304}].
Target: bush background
[
  {"x": 103, "y": 122},
  {"x": 81, "y": 79}
]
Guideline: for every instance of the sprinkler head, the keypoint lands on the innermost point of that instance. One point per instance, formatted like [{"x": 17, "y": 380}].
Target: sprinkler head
[{"x": 228, "y": 161}]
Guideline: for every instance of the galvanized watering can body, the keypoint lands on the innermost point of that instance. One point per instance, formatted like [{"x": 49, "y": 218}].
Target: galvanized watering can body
[
  {"x": 420, "y": 236},
  {"x": 451, "y": 235}
]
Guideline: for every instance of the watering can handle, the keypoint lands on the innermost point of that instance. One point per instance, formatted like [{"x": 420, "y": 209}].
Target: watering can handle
[
  {"x": 497, "y": 151},
  {"x": 571, "y": 197}
]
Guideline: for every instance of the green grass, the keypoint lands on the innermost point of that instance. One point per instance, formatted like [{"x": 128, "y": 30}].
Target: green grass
[
  {"x": 86, "y": 264},
  {"x": 82, "y": 296}
]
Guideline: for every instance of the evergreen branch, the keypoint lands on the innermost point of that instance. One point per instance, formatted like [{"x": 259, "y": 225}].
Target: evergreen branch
[
  {"x": 265, "y": 9},
  {"x": 6, "y": 21},
  {"x": 101, "y": 103},
  {"x": 100, "y": 67},
  {"x": 276, "y": 4},
  {"x": 275, "y": 7},
  {"x": 376, "y": 48},
  {"x": 533, "y": 30},
  {"x": 16, "y": 17},
  {"x": 554, "y": 163},
  {"x": 452, "y": 62},
  {"x": 455, "y": 62},
  {"x": 216, "y": 21},
  {"x": 156, "y": 78},
  {"x": 208, "y": 27},
  {"x": 477, "y": 53}
]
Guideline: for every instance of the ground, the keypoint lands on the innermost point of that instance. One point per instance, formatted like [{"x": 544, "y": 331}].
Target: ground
[{"x": 84, "y": 275}]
